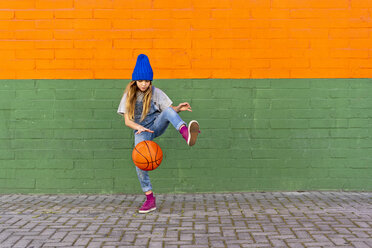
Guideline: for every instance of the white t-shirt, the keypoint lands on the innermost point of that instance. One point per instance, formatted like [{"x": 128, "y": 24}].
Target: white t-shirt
[{"x": 160, "y": 99}]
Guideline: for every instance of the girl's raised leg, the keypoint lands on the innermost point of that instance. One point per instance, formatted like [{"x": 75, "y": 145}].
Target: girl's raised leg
[{"x": 189, "y": 133}]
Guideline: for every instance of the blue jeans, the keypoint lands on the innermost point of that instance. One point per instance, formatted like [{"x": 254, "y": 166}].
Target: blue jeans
[{"x": 159, "y": 126}]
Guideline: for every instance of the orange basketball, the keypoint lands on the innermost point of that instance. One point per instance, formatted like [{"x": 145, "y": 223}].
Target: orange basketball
[{"x": 147, "y": 155}]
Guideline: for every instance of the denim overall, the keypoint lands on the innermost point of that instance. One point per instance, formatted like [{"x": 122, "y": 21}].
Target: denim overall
[{"x": 155, "y": 121}]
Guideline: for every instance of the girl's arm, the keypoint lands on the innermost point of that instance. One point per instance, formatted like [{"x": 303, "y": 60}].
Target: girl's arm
[
  {"x": 135, "y": 126},
  {"x": 182, "y": 107},
  {"x": 175, "y": 109}
]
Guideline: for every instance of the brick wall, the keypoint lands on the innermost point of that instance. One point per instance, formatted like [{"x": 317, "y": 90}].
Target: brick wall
[
  {"x": 64, "y": 136},
  {"x": 67, "y": 39},
  {"x": 260, "y": 132}
]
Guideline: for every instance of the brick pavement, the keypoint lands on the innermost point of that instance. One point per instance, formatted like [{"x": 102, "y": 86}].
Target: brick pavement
[{"x": 236, "y": 220}]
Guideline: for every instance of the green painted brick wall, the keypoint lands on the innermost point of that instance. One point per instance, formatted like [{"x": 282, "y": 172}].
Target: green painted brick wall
[{"x": 64, "y": 136}]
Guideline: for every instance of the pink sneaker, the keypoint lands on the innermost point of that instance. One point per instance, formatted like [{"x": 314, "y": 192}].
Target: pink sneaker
[
  {"x": 193, "y": 130},
  {"x": 148, "y": 206}
]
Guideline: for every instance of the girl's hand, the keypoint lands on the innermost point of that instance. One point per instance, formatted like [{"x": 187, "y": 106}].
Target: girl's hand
[
  {"x": 143, "y": 129},
  {"x": 184, "y": 106}
]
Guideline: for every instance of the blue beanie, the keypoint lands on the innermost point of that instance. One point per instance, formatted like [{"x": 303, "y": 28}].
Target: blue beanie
[{"x": 142, "y": 70}]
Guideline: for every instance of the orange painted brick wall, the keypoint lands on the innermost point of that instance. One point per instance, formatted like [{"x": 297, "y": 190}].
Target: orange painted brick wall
[{"x": 186, "y": 38}]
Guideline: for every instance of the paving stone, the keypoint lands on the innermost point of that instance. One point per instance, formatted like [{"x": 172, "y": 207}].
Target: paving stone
[
  {"x": 272, "y": 219},
  {"x": 22, "y": 243},
  {"x": 95, "y": 245}
]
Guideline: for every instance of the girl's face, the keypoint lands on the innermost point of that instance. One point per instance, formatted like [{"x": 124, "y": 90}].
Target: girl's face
[{"x": 143, "y": 84}]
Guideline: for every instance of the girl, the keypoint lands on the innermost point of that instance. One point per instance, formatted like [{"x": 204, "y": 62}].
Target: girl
[{"x": 148, "y": 111}]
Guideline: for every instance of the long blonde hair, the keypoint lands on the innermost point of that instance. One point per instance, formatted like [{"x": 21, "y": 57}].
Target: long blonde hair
[{"x": 130, "y": 103}]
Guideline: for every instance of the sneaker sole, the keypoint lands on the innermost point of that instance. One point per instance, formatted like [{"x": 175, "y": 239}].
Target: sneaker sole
[
  {"x": 146, "y": 211},
  {"x": 193, "y": 132}
]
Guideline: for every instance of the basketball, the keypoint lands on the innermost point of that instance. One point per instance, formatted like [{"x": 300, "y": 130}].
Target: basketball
[{"x": 147, "y": 155}]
